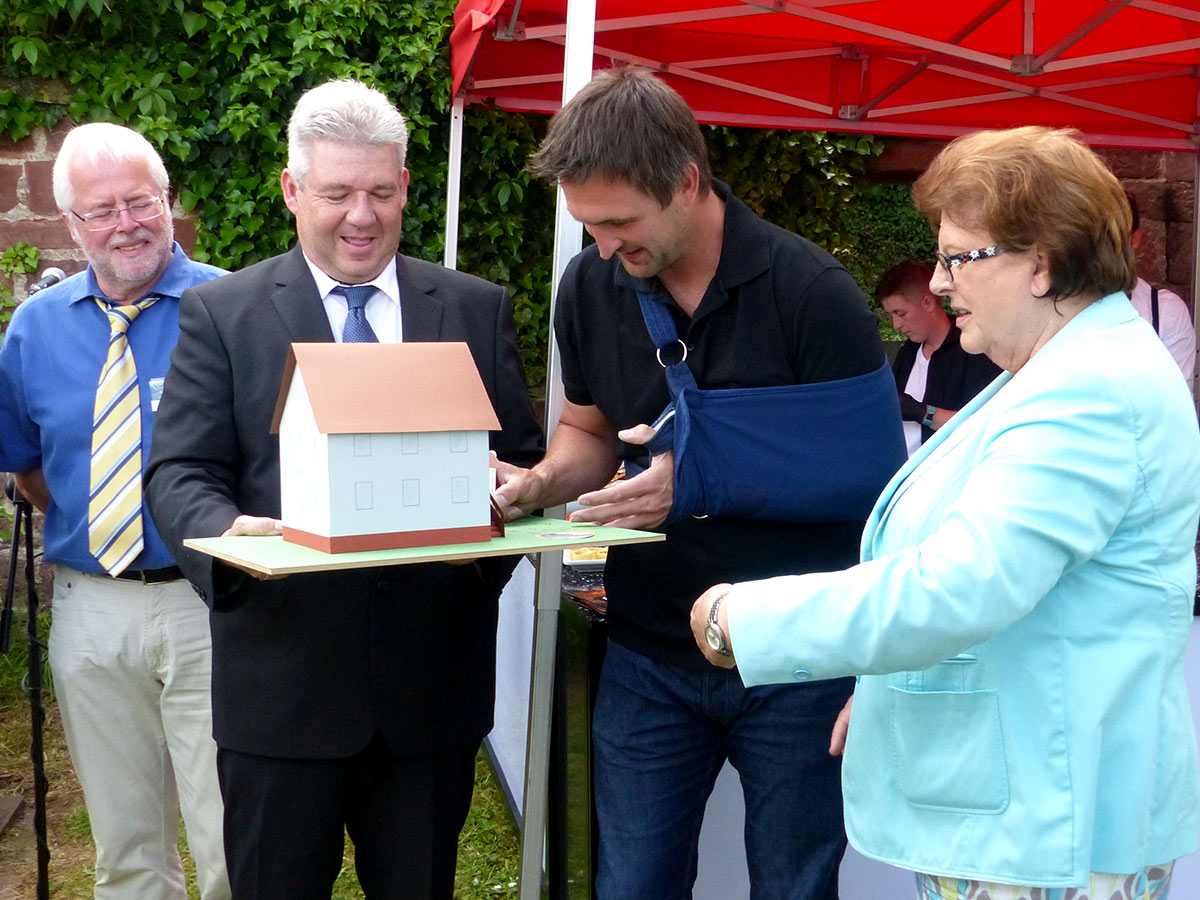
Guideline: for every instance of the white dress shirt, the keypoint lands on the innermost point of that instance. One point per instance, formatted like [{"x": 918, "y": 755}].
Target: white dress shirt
[
  {"x": 1175, "y": 327},
  {"x": 383, "y": 309}
]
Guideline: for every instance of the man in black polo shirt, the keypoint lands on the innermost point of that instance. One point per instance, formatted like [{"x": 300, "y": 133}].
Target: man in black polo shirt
[
  {"x": 935, "y": 376},
  {"x": 755, "y": 306}
]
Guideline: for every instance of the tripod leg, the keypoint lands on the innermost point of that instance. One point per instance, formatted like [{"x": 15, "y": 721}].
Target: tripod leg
[{"x": 37, "y": 713}]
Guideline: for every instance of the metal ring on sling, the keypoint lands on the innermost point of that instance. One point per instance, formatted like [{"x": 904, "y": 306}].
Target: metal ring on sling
[{"x": 658, "y": 353}]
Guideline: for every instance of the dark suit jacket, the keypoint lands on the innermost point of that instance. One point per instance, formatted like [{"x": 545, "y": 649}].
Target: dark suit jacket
[{"x": 313, "y": 665}]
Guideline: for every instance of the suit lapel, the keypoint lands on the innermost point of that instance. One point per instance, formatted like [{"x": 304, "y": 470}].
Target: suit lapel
[
  {"x": 297, "y": 302},
  {"x": 420, "y": 310}
]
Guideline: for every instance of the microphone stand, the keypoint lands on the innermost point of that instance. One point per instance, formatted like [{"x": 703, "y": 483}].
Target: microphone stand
[{"x": 24, "y": 516}]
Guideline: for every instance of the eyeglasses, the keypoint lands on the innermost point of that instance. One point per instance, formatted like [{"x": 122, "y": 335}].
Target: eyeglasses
[
  {"x": 950, "y": 263},
  {"x": 104, "y": 219}
]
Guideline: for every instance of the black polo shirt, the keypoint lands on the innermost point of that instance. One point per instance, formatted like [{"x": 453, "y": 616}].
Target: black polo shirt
[
  {"x": 955, "y": 376},
  {"x": 779, "y": 311}
]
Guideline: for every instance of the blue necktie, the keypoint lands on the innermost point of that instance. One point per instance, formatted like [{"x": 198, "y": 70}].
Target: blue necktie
[{"x": 357, "y": 329}]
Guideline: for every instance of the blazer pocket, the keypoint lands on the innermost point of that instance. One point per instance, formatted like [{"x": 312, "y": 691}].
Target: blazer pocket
[{"x": 948, "y": 750}]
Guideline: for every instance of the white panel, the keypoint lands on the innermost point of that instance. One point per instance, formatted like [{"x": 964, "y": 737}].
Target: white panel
[
  {"x": 364, "y": 495},
  {"x": 411, "y": 491}
]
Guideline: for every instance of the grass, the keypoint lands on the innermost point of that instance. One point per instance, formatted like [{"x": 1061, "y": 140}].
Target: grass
[{"x": 489, "y": 848}]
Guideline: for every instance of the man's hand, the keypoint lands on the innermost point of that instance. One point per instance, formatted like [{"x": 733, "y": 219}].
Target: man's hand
[
  {"x": 518, "y": 491},
  {"x": 253, "y": 525},
  {"x": 700, "y": 610},
  {"x": 837, "y": 741},
  {"x": 643, "y": 501}
]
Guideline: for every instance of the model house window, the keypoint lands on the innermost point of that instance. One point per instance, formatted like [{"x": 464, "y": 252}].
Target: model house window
[
  {"x": 460, "y": 489},
  {"x": 411, "y": 491},
  {"x": 364, "y": 495},
  {"x": 362, "y": 445},
  {"x": 410, "y": 443},
  {"x": 458, "y": 442}
]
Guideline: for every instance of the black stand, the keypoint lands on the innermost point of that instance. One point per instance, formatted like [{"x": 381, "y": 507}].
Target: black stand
[{"x": 24, "y": 516}]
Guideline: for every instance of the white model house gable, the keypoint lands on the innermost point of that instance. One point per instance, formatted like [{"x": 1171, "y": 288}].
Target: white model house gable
[{"x": 303, "y": 462}]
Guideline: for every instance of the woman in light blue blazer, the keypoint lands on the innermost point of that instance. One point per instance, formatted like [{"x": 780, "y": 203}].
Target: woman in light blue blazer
[{"x": 1021, "y": 611}]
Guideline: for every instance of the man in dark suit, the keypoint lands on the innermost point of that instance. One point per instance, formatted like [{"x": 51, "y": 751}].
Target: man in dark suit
[{"x": 359, "y": 697}]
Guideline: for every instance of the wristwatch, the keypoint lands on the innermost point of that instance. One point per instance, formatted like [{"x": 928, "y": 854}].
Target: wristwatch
[{"x": 712, "y": 631}]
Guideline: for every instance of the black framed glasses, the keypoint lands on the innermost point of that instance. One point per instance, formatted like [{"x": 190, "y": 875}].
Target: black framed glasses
[
  {"x": 104, "y": 219},
  {"x": 952, "y": 262}
]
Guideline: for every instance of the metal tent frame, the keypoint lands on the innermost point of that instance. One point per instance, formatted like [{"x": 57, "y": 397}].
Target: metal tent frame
[{"x": 1126, "y": 73}]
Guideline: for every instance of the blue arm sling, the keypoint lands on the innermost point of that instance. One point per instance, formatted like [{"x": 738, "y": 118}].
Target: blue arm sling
[{"x": 802, "y": 453}]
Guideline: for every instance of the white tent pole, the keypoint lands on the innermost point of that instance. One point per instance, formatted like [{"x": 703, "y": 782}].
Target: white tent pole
[
  {"x": 454, "y": 183},
  {"x": 568, "y": 239}
]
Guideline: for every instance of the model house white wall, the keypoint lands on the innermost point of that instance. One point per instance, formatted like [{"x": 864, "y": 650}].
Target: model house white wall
[{"x": 383, "y": 445}]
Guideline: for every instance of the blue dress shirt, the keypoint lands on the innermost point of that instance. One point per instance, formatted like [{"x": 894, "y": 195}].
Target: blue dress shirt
[{"x": 50, "y": 363}]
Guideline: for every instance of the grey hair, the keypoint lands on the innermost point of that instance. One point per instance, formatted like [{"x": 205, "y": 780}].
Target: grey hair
[
  {"x": 103, "y": 142},
  {"x": 348, "y": 112}
]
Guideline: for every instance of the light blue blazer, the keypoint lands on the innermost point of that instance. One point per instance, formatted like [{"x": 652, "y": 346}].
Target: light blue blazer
[{"x": 1020, "y": 618}]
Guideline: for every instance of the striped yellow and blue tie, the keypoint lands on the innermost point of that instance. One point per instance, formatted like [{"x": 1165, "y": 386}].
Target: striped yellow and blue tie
[{"x": 115, "y": 498}]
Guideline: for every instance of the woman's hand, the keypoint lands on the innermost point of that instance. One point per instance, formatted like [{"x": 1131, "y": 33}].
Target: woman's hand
[{"x": 700, "y": 612}]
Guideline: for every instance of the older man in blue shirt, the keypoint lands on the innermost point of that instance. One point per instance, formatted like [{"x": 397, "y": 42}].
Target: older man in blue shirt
[{"x": 81, "y": 371}]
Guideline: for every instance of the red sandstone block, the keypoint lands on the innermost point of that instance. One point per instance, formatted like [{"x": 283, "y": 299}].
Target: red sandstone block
[
  {"x": 10, "y": 176},
  {"x": 45, "y": 234},
  {"x": 904, "y": 160},
  {"x": 185, "y": 233},
  {"x": 1147, "y": 196},
  {"x": 10, "y": 149},
  {"x": 1179, "y": 198},
  {"x": 54, "y": 140},
  {"x": 1179, "y": 167},
  {"x": 1132, "y": 163},
  {"x": 38, "y": 177},
  {"x": 1180, "y": 250}
]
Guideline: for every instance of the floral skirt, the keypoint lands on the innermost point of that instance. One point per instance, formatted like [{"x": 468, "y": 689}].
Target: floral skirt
[{"x": 1152, "y": 883}]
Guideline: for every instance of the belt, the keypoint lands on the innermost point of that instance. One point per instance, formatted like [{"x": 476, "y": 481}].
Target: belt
[{"x": 152, "y": 576}]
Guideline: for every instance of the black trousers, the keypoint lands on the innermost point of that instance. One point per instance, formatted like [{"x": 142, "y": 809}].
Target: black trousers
[{"x": 284, "y": 821}]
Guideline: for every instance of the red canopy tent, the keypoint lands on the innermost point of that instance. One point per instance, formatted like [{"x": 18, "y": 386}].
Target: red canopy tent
[{"x": 1126, "y": 73}]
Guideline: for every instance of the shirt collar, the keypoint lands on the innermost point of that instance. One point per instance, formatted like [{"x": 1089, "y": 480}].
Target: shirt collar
[
  {"x": 171, "y": 283},
  {"x": 385, "y": 282}
]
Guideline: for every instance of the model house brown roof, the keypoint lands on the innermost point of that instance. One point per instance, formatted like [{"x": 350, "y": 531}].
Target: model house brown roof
[{"x": 385, "y": 388}]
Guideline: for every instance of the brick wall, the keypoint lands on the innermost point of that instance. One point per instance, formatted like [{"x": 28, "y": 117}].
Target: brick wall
[
  {"x": 1163, "y": 184},
  {"x": 28, "y": 213}
]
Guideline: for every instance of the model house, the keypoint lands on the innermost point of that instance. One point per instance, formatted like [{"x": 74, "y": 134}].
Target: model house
[{"x": 383, "y": 446}]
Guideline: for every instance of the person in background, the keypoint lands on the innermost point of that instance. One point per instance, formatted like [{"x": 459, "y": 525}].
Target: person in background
[
  {"x": 1165, "y": 310},
  {"x": 351, "y": 700},
  {"x": 934, "y": 375},
  {"x": 81, "y": 373},
  {"x": 1022, "y": 609},
  {"x": 755, "y": 306}
]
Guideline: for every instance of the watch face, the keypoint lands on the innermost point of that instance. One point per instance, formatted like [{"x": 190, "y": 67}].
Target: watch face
[{"x": 715, "y": 638}]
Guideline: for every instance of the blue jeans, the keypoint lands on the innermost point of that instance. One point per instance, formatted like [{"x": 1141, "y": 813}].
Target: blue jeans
[{"x": 661, "y": 735}]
